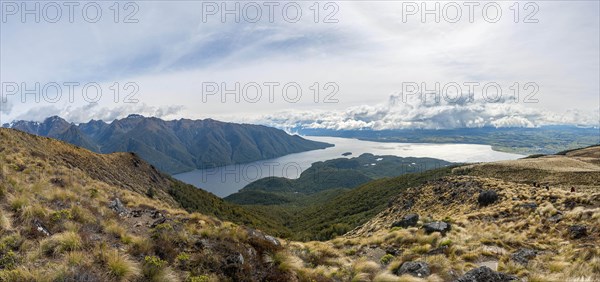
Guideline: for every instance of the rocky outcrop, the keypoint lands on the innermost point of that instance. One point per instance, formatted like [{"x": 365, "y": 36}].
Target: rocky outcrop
[
  {"x": 485, "y": 274},
  {"x": 577, "y": 231},
  {"x": 407, "y": 221},
  {"x": 117, "y": 206},
  {"x": 522, "y": 256},
  {"x": 487, "y": 197},
  {"x": 437, "y": 226},
  {"x": 414, "y": 268}
]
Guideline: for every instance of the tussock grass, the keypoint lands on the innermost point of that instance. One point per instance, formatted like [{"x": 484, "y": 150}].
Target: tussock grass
[
  {"x": 60, "y": 243},
  {"x": 121, "y": 267},
  {"x": 5, "y": 221}
]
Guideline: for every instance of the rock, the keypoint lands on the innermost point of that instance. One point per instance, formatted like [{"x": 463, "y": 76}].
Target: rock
[
  {"x": 555, "y": 218},
  {"x": 485, "y": 274},
  {"x": 437, "y": 226},
  {"x": 235, "y": 259},
  {"x": 155, "y": 214},
  {"x": 136, "y": 213},
  {"x": 487, "y": 197},
  {"x": 233, "y": 266},
  {"x": 262, "y": 242},
  {"x": 414, "y": 268},
  {"x": 157, "y": 222},
  {"x": 438, "y": 251},
  {"x": 272, "y": 240},
  {"x": 41, "y": 228},
  {"x": 522, "y": 256},
  {"x": 407, "y": 221},
  {"x": 118, "y": 207},
  {"x": 577, "y": 231},
  {"x": 393, "y": 251}
]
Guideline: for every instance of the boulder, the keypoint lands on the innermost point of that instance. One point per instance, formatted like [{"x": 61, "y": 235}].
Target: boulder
[
  {"x": 485, "y": 274},
  {"x": 262, "y": 242},
  {"x": 118, "y": 207},
  {"x": 522, "y": 256},
  {"x": 414, "y": 268},
  {"x": 437, "y": 226},
  {"x": 577, "y": 231},
  {"x": 407, "y": 221},
  {"x": 487, "y": 197}
]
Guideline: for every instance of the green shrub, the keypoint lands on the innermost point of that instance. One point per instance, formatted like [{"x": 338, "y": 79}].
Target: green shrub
[
  {"x": 386, "y": 259},
  {"x": 445, "y": 242},
  {"x": 60, "y": 215},
  {"x": 183, "y": 257},
  {"x": 8, "y": 260},
  {"x": 93, "y": 193},
  {"x": 153, "y": 266}
]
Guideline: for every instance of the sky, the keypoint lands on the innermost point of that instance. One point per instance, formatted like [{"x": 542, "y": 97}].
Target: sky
[{"x": 335, "y": 65}]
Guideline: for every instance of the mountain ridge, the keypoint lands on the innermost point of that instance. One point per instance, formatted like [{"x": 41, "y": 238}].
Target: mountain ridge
[{"x": 175, "y": 146}]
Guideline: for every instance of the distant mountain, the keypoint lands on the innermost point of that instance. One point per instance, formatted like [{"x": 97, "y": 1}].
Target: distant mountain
[
  {"x": 520, "y": 140},
  {"x": 175, "y": 146}
]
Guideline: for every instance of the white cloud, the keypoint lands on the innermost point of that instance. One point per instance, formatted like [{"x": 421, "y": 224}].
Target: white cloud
[
  {"x": 369, "y": 53},
  {"x": 94, "y": 111},
  {"x": 414, "y": 113}
]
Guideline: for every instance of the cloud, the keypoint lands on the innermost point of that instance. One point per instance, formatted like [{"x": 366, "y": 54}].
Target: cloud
[
  {"x": 5, "y": 108},
  {"x": 93, "y": 111},
  {"x": 413, "y": 112},
  {"x": 170, "y": 52}
]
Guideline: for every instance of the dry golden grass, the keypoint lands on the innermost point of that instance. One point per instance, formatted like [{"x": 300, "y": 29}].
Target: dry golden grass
[{"x": 84, "y": 228}]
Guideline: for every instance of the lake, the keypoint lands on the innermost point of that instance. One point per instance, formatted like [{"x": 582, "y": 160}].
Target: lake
[{"x": 226, "y": 180}]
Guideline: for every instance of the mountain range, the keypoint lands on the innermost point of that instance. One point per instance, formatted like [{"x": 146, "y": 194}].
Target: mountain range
[
  {"x": 521, "y": 140},
  {"x": 174, "y": 146}
]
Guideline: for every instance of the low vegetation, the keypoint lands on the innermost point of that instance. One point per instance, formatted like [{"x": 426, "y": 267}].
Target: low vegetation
[{"x": 69, "y": 215}]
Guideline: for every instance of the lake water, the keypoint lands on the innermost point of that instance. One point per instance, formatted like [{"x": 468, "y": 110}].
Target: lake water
[{"x": 226, "y": 180}]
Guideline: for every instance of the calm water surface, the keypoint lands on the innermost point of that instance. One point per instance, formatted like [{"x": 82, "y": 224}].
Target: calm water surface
[{"x": 226, "y": 180}]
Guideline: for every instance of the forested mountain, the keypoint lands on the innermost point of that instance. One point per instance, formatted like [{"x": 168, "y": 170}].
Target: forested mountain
[{"x": 175, "y": 146}]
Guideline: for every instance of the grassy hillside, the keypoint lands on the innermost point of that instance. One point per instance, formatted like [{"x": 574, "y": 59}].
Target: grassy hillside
[
  {"x": 330, "y": 213},
  {"x": 67, "y": 214},
  {"x": 26, "y": 154}
]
